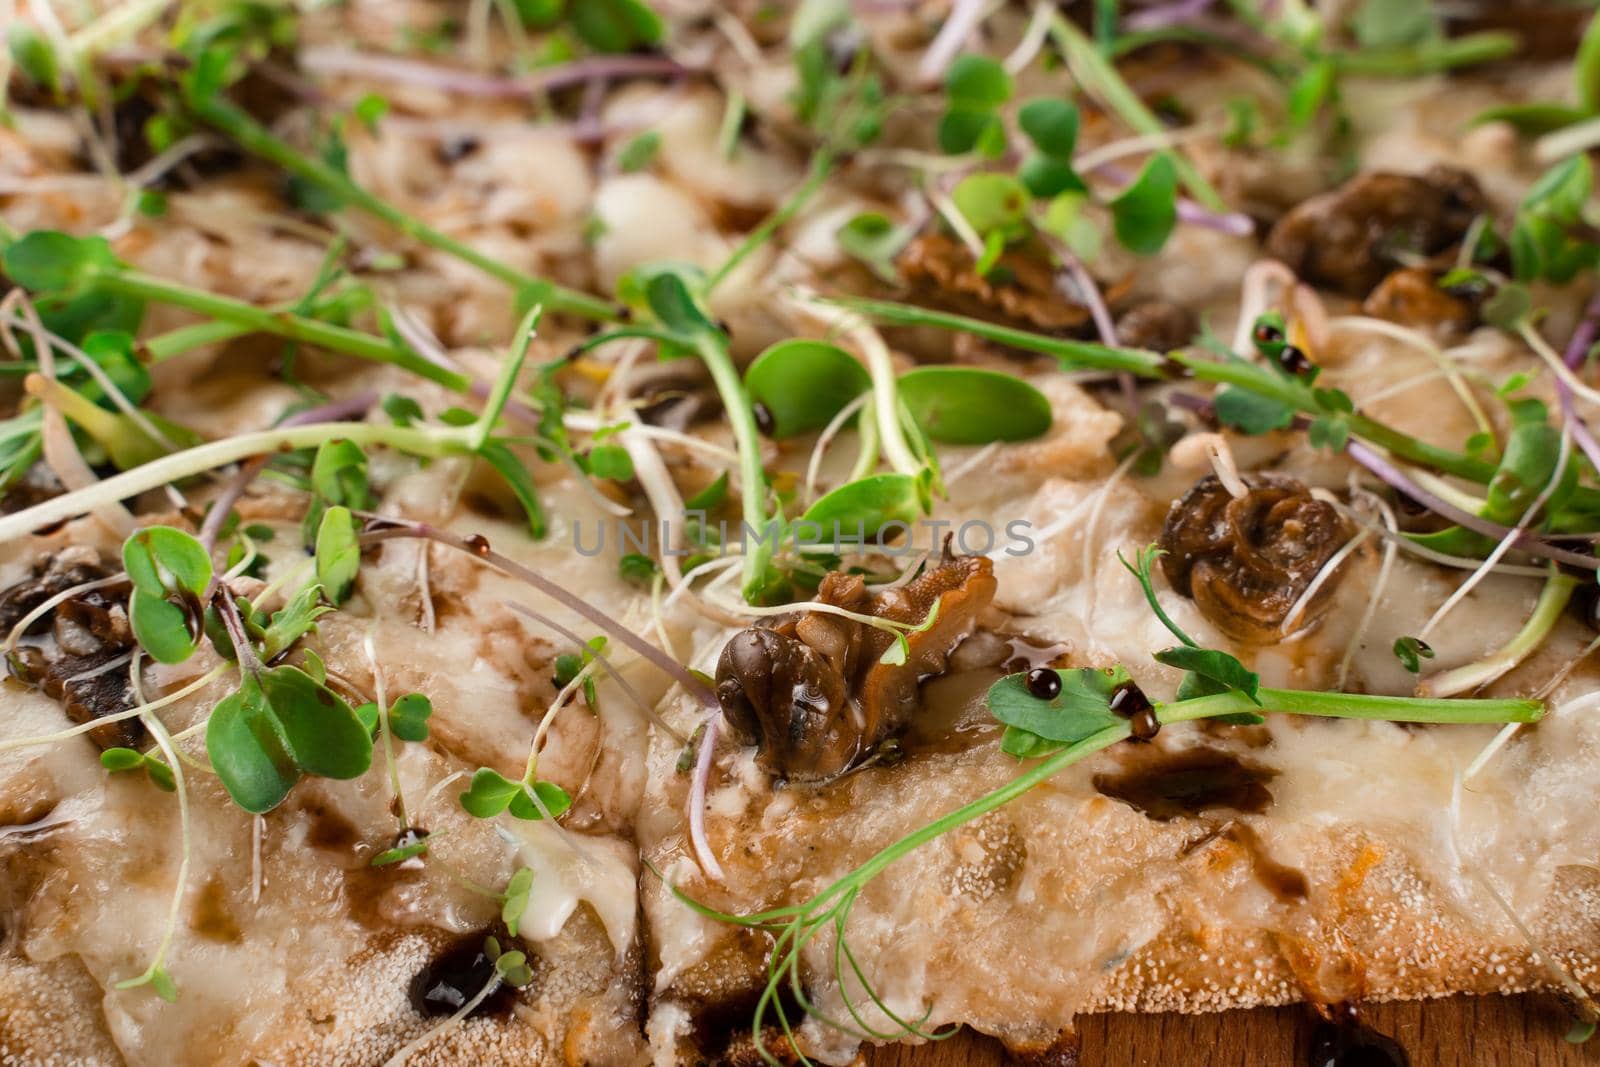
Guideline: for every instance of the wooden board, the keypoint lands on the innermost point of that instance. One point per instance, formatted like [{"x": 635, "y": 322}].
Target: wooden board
[{"x": 1460, "y": 1032}]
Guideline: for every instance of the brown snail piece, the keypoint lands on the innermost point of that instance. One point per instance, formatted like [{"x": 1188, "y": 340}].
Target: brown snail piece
[
  {"x": 1350, "y": 238},
  {"x": 1247, "y": 561},
  {"x": 811, "y": 691}
]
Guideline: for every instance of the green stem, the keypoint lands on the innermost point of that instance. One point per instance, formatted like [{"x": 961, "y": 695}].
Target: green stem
[
  {"x": 821, "y": 167},
  {"x": 713, "y": 351},
  {"x": 1359, "y": 706},
  {"x": 1073, "y": 355},
  {"x": 247, "y": 317},
  {"x": 886, "y": 407},
  {"x": 1558, "y": 589},
  {"x": 1085, "y": 355},
  {"x": 1427, "y": 58},
  {"x": 1100, "y": 76},
  {"x": 173, "y": 343},
  {"x": 95, "y": 420},
  {"x": 425, "y": 442},
  {"x": 1328, "y": 705},
  {"x": 1042, "y": 771},
  {"x": 258, "y": 140}
]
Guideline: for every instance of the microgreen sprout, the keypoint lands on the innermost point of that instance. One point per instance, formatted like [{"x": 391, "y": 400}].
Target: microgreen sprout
[
  {"x": 202, "y": 96},
  {"x": 75, "y": 268}
]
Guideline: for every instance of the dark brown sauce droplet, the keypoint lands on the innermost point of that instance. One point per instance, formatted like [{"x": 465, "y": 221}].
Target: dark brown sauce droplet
[
  {"x": 1169, "y": 785},
  {"x": 1044, "y": 683},
  {"x": 1346, "y": 1042},
  {"x": 1129, "y": 701},
  {"x": 328, "y": 828},
  {"x": 212, "y": 918},
  {"x": 455, "y": 976}
]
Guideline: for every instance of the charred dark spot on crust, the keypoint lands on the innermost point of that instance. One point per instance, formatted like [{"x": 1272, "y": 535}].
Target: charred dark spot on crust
[
  {"x": 809, "y": 689},
  {"x": 1349, "y": 238},
  {"x": 75, "y": 647},
  {"x": 1247, "y": 561}
]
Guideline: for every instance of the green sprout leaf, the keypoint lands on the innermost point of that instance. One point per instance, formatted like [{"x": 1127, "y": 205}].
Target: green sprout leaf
[
  {"x": 169, "y": 571},
  {"x": 492, "y": 793},
  {"x": 638, "y": 568},
  {"x": 977, "y": 81},
  {"x": 1529, "y": 464},
  {"x": 247, "y": 751},
  {"x": 615, "y": 25},
  {"x": 164, "y": 561},
  {"x": 1082, "y": 708},
  {"x": 320, "y": 730},
  {"x": 1549, "y": 238},
  {"x": 279, "y": 724},
  {"x": 158, "y": 980},
  {"x": 976, "y": 86},
  {"x": 1394, "y": 23},
  {"x": 289, "y": 623},
  {"x": 1052, "y": 126},
  {"x": 515, "y": 902},
  {"x": 1250, "y": 412},
  {"x": 1210, "y": 671},
  {"x": 862, "y": 508},
  {"x": 611, "y": 462},
  {"x": 1144, "y": 214},
  {"x": 1411, "y": 651},
  {"x": 33, "y": 56},
  {"x": 804, "y": 384},
  {"x": 47, "y": 261},
  {"x": 966, "y": 405},
  {"x": 876, "y": 241},
  {"x": 639, "y": 153},
  {"x": 993, "y": 204},
  {"x": 162, "y": 627},
  {"x": 338, "y": 553},
  {"x": 709, "y": 497},
  {"x": 520, "y": 481},
  {"x": 1586, "y": 80},
  {"x": 118, "y": 760},
  {"x": 408, "y": 717},
  {"x": 669, "y": 294}
]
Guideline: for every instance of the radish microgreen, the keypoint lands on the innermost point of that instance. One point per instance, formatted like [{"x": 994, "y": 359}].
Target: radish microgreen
[
  {"x": 515, "y": 902},
  {"x": 338, "y": 554},
  {"x": 127, "y": 759},
  {"x": 492, "y": 793},
  {"x": 170, "y": 571},
  {"x": 408, "y": 717},
  {"x": 803, "y": 384}
]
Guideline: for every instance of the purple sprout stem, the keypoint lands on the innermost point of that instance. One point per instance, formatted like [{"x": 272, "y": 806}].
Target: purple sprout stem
[
  {"x": 1583, "y": 339},
  {"x": 1521, "y": 539},
  {"x": 389, "y": 529}
]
